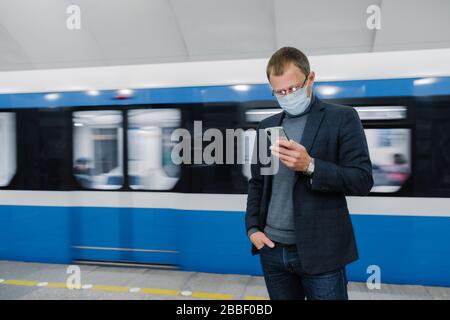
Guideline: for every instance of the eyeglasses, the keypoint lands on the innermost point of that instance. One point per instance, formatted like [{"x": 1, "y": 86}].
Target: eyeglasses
[{"x": 283, "y": 92}]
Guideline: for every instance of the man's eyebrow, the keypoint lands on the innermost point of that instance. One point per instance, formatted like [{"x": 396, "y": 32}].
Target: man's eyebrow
[{"x": 285, "y": 88}]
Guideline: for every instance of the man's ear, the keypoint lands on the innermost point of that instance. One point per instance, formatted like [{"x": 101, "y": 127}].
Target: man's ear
[{"x": 311, "y": 78}]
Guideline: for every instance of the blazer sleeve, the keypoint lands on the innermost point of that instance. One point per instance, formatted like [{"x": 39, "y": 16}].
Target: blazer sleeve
[
  {"x": 255, "y": 189},
  {"x": 352, "y": 175}
]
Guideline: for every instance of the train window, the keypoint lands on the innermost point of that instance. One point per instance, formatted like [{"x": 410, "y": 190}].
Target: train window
[
  {"x": 257, "y": 115},
  {"x": 391, "y": 158},
  {"x": 365, "y": 113},
  {"x": 8, "y": 142},
  {"x": 150, "y": 147},
  {"x": 389, "y": 148},
  {"x": 249, "y": 137},
  {"x": 98, "y": 149},
  {"x": 381, "y": 113}
]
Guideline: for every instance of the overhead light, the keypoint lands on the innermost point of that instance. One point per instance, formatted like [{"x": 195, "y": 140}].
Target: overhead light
[
  {"x": 77, "y": 124},
  {"x": 93, "y": 92},
  {"x": 241, "y": 87},
  {"x": 51, "y": 96},
  {"x": 125, "y": 92},
  {"x": 424, "y": 81},
  {"x": 328, "y": 90}
]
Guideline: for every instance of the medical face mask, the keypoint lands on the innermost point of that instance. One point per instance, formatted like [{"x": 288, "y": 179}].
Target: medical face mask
[{"x": 295, "y": 103}]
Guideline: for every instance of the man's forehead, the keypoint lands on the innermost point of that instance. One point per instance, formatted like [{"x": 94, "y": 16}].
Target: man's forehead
[
  {"x": 292, "y": 68},
  {"x": 290, "y": 77}
]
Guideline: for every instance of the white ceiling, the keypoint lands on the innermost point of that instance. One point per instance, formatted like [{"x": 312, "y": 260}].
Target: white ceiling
[{"x": 33, "y": 34}]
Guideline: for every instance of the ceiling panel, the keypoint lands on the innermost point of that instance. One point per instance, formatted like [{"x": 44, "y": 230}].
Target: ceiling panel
[
  {"x": 39, "y": 28},
  {"x": 215, "y": 29},
  {"x": 414, "y": 25},
  {"x": 33, "y": 34},
  {"x": 324, "y": 27},
  {"x": 141, "y": 31},
  {"x": 12, "y": 56}
]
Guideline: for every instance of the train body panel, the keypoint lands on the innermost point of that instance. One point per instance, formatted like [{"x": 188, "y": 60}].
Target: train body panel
[{"x": 403, "y": 244}]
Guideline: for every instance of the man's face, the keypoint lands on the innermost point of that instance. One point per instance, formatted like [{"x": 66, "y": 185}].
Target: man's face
[{"x": 292, "y": 77}]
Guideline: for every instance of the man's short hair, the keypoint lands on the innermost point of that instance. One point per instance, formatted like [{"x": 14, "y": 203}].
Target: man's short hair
[{"x": 284, "y": 57}]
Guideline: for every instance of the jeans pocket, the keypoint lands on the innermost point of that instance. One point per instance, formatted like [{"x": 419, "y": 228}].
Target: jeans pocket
[{"x": 264, "y": 249}]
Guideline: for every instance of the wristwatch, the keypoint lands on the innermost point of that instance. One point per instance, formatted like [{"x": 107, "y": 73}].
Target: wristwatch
[{"x": 310, "y": 170}]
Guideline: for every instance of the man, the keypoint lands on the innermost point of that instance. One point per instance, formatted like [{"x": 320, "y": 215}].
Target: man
[{"x": 297, "y": 218}]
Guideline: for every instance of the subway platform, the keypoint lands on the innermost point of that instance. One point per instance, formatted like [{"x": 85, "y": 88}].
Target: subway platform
[{"x": 32, "y": 281}]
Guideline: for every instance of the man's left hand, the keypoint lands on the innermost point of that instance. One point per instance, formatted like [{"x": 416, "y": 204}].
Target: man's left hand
[{"x": 292, "y": 154}]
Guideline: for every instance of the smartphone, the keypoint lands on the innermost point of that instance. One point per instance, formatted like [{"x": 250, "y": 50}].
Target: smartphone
[{"x": 275, "y": 133}]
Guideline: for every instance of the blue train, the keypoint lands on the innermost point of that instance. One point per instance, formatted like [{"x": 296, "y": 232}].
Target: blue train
[{"x": 86, "y": 173}]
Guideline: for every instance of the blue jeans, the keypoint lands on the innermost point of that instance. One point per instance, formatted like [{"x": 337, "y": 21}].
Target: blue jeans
[{"x": 286, "y": 280}]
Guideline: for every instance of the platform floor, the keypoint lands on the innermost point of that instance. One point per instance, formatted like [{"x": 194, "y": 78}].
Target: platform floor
[{"x": 21, "y": 280}]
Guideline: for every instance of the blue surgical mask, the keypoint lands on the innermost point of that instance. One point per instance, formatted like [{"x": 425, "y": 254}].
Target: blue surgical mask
[{"x": 295, "y": 103}]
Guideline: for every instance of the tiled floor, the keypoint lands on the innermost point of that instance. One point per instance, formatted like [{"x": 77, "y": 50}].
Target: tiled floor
[{"x": 20, "y": 280}]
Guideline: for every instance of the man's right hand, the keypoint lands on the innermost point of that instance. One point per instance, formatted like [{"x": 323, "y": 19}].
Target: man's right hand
[{"x": 259, "y": 240}]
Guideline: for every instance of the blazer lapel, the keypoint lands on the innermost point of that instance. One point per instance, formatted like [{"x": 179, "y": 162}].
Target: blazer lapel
[
  {"x": 312, "y": 124},
  {"x": 277, "y": 121},
  {"x": 279, "y": 118}
]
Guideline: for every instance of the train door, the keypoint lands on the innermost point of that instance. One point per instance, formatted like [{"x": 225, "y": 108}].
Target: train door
[
  {"x": 388, "y": 126},
  {"x": 121, "y": 160},
  {"x": 388, "y": 133}
]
